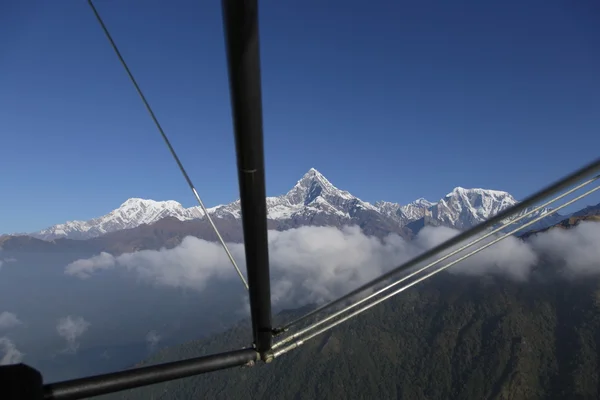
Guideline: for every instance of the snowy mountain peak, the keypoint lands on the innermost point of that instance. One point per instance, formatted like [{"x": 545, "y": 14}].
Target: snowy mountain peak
[
  {"x": 312, "y": 200},
  {"x": 312, "y": 185},
  {"x": 132, "y": 213},
  {"x": 313, "y": 176},
  {"x": 464, "y": 208}
]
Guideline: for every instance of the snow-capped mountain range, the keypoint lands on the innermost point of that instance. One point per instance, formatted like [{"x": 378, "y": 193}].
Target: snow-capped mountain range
[{"x": 313, "y": 198}]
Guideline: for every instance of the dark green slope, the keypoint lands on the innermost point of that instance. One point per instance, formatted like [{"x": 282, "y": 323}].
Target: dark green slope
[{"x": 451, "y": 338}]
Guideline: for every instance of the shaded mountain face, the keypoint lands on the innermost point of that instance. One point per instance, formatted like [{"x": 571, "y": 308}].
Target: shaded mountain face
[
  {"x": 588, "y": 211},
  {"x": 450, "y": 338},
  {"x": 566, "y": 223}
]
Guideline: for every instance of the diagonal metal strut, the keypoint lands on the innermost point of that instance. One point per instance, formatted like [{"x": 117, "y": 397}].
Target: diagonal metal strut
[{"x": 167, "y": 142}]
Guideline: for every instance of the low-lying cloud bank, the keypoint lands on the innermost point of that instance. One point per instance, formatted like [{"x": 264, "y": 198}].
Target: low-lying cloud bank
[{"x": 316, "y": 264}]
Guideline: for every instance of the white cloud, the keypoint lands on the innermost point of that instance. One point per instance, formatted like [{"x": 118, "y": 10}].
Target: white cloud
[
  {"x": 317, "y": 264},
  {"x": 510, "y": 256},
  {"x": 84, "y": 268},
  {"x": 191, "y": 264},
  {"x": 152, "y": 338},
  {"x": 577, "y": 249},
  {"x": 308, "y": 263},
  {"x": 10, "y": 353},
  {"x": 8, "y": 320},
  {"x": 71, "y": 328}
]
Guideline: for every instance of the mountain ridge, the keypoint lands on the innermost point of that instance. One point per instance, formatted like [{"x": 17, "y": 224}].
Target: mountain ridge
[{"x": 313, "y": 200}]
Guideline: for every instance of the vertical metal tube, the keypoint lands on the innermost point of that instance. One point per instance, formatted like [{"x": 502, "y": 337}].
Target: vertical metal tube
[{"x": 240, "y": 19}]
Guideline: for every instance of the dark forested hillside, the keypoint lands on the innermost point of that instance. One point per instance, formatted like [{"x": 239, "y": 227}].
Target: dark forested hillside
[{"x": 450, "y": 338}]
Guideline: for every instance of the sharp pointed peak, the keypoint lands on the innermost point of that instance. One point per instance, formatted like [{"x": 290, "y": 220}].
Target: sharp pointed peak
[
  {"x": 314, "y": 175},
  {"x": 312, "y": 172}
]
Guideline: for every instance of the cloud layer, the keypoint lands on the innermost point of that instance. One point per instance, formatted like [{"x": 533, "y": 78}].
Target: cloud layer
[
  {"x": 316, "y": 264},
  {"x": 71, "y": 328}
]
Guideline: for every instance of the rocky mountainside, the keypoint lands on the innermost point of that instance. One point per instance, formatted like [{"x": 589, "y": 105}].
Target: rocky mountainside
[
  {"x": 407, "y": 213},
  {"x": 314, "y": 200},
  {"x": 588, "y": 211}
]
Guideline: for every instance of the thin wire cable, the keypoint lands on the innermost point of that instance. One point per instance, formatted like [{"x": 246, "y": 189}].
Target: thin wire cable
[
  {"x": 167, "y": 142},
  {"x": 359, "y": 302},
  {"x": 365, "y": 308},
  {"x": 535, "y": 198}
]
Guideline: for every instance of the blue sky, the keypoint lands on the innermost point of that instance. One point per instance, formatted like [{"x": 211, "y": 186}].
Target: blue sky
[{"x": 390, "y": 100}]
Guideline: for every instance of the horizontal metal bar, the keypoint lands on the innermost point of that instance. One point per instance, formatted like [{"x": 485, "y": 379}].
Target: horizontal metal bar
[
  {"x": 129, "y": 379},
  {"x": 586, "y": 171}
]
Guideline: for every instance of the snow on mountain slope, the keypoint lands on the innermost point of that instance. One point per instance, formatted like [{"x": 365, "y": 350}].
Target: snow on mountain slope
[
  {"x": 132, "y": 213},
  {"x": 464, "y": 208},
  {"x": 407, "y": 213},
  {"x": 312, "y": 201},
  {"x": 312, "y": 194}
]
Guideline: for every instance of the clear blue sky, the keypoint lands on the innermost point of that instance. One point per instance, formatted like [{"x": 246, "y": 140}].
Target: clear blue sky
[{"x": 391, "y": 100}]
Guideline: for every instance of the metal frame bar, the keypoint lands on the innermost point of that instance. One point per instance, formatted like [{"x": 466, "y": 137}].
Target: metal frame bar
[
  {"x": 240, "y": 19},
  {"x": 129, "y": 379},
  {"x": 167, "y": 141}
]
